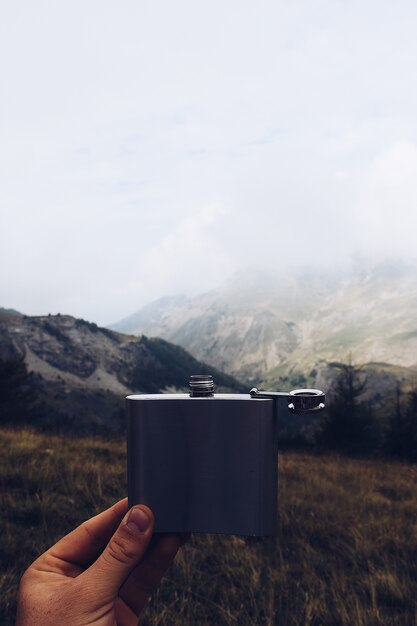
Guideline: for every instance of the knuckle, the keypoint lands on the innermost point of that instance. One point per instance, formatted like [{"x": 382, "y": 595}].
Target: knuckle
[{"x": 122, "y": 550}]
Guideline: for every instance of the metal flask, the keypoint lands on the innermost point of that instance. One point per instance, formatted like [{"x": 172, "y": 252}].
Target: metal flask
[{"x": 207, "y": 462}]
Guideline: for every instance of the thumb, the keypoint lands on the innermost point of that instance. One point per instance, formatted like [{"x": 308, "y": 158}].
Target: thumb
[{"x": 123, "y": 552}]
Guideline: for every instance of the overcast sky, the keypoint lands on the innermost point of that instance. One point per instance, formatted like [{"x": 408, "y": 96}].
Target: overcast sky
[{"x": 155, "y": 147}]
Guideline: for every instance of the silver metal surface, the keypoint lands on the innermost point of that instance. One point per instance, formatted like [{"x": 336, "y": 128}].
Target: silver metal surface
[
  {"x": 306, "y": 401},
  {"x": 303, "y": 401},
  {"x": 201, "y": 385},
  {"x": 207, "y": 462},
  {"x": 204, "y": 464}
]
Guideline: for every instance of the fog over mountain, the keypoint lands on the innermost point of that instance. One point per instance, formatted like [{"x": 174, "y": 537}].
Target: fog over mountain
[
  {"x": 154, "y": 148},
  {"x": 261, "y": 324}
]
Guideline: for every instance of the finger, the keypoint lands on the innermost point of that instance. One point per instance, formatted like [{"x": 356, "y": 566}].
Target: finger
[
  {"x": 146, "y": 576},
  {"x": 124, "y": 615},
  {"x": 123, "y": 552},
  {"x": 83, "y": 545}
]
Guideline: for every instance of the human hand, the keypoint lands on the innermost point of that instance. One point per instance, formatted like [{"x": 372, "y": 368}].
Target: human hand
[{"x": 101, "y": 574}]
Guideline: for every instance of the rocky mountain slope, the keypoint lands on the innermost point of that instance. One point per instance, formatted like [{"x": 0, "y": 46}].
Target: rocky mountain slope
[
  {"x": 57, "y": 370},
  {"x": 265, "y": 326}
]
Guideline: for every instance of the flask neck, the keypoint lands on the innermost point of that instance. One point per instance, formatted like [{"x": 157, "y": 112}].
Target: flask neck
[{"x": 201, "y": 386}]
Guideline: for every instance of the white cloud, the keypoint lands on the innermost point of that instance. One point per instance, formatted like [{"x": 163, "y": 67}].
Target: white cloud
[
  {"x": 190, "y": 250},
  {"x": 387, "y": 205},
  {"x": 126, "y": 128}
]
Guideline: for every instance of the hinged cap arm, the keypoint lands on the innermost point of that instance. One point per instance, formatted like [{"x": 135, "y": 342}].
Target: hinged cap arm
[{"x": 302, "y": 401}]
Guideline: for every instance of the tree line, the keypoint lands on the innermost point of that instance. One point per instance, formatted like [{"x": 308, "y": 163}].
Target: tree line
[{"x": 351, "y": 426}]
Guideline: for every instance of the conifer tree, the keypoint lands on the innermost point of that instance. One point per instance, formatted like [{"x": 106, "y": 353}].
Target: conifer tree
[
  {"x": 402, "y": 432},
  {"x": 348, "y": 425}
]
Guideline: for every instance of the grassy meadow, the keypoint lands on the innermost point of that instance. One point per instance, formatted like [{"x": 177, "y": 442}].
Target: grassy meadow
[{"x": 345, "y": 554}]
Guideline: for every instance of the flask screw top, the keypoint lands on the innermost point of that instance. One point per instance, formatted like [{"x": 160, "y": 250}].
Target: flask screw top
[{"x": 201, "y": 385}]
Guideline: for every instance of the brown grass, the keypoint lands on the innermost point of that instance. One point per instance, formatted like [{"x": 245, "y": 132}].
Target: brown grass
[{"x": 345, "y": 554}]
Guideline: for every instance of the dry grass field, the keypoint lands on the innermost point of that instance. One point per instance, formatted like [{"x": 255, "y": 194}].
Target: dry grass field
[{"x": 345, "y": 555}]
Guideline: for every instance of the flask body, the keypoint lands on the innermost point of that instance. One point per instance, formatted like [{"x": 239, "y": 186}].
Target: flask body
[{"x": 204, "y": 464}]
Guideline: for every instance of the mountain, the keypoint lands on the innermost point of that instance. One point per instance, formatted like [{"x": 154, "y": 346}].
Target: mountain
[
  {"x": 267, "y": 325},
  {"x": 4, "y": 313},
  {"x": 60, "y": 372},
  {"x": 150, "y": 314}
]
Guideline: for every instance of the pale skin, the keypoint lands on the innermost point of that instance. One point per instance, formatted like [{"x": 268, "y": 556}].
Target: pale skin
[{"x": 100, "y": 574}]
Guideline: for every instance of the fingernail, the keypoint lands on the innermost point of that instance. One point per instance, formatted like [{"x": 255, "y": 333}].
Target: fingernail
[{"x": 138, "y": 521}]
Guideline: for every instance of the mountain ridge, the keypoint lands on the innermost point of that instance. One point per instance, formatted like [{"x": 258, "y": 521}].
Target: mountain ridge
[
  {"x": 61, "y": 371},
  {"x": 254, "y": 323}
]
